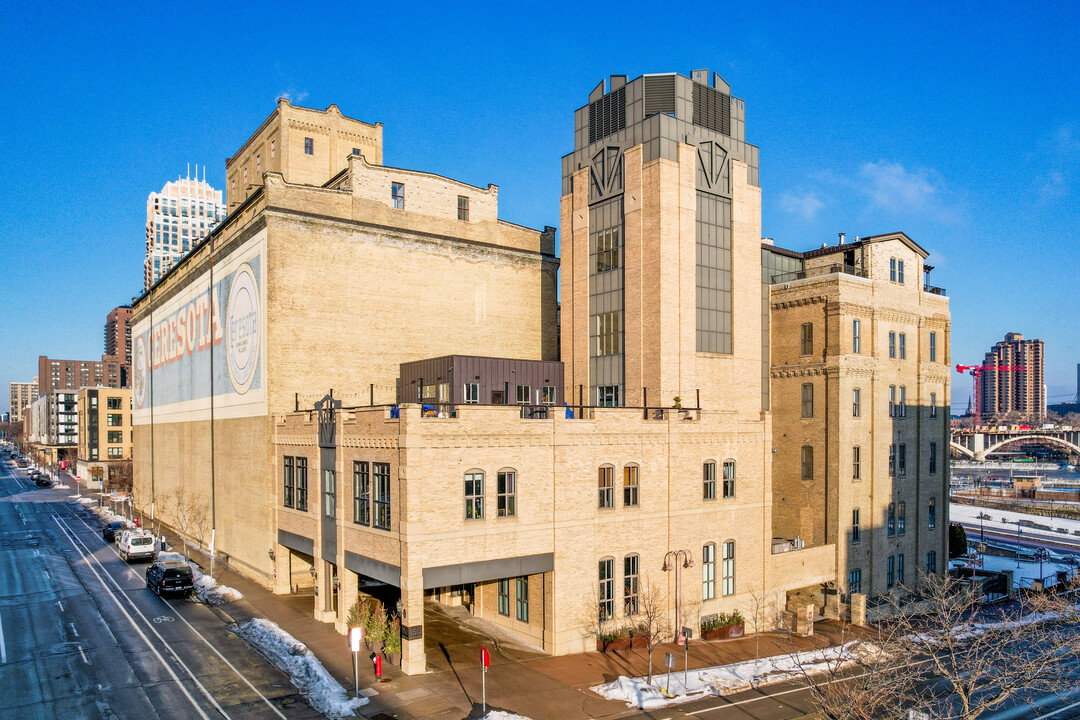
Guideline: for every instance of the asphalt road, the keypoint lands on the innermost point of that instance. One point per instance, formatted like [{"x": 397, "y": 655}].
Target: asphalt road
[{"x": 82, "y": 637}]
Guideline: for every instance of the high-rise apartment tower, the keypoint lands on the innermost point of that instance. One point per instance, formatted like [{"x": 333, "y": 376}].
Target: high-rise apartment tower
[
  {"x": 118, "y": 334},
  {"x": 1013, "y": 395},
  {"x": 177, "y": 219}
]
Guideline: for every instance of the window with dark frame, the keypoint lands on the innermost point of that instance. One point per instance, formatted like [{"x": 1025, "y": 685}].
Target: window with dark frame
[
  {"x": 506, "y": 493},
  {"x": 289, "y": 479},
  {"x": 630, "y": 585},
  {"x": 630, "y": 486},
  {"x": 709, "y": 480},
  {"x": 524, "y": 395},
  {"x": 728, "y": 568},
  {"x": 901, "y": 512},
  {"x": 806, "y": 343},
  {"x": 309, "y": 146},
  {"x": 361, "y": 493},
  {"x": 890, "y": 571},
  {"x": 856, "y": 339},
  {"x": 607, "y": 589},
  {"x": 931, "y": 562},
  {"x": 856, "y": 533},
  {"x": 856, "y": 470},
  {"x": 900, "y": 568},
  {"x": 807, "y": 462},
  {"x": 808, "y": 400},
  {"x": 463, "y": 208},
  {"x": 503, "y": 592},
  {"x": 521, "y": 599},
  {"x": 381, "y": 495},
  {"x": 892, "y": 519},
  {"x": 933, "y": 347},
  {"x": 708, "y": 571},
  {"x": 901, "y": 405},
  {"x": 892, "y": 344},
  {"x": 855, "y": 581},
  {"x": 933, "y": 405},
  {"x": 729, "y": 479},
  {"x": 547, "y": 395},
  {"x": 607, "y": 249},
  {"x": 892, "y": 401},
  {"x": 900, "y": 271},
  {"x": 301, "y": 483},
  {"x": 472, "y": 393},
  {"x": 329, "y": 493},
  {"x": 901, "y": 460},
  {"x": 892, "y": 460},
  {"x": 474, "y": 496},
  {"x": 856, "y": 398},
  {"x": 606, "y": 487},
  {"x": 892, "y": 269},
  {"x": 931, "y": 513},
  {"x": 933, "y": 458},
  {"x": 903, "y": 346},
  {"x": 397, "y": 195}
]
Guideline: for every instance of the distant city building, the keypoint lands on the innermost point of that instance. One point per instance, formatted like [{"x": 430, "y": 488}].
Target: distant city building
[
  {"x": 76, "y": 374},
  {"x": 1013, "y": 396},
  {"x": 177, "y": 219},
  {"x": 52, "y": 426},
  {"x": 1068, "y": 408},
  {"x": 20, "y": 397},
  {"x": 104, "y": 433},
  {"x": 118, "y": 334}
]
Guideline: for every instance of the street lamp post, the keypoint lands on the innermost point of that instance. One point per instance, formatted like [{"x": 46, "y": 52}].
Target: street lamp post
[
  {"x": 1017, "y": 543},
  {"x": 672, "y": 561},
  {"x": 1042, "y": 555},
  {"x": 982, "y": 530}
]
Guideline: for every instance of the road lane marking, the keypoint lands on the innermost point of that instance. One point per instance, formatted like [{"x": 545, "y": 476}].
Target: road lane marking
[
  {"x": 72, "y": 625},
  {"x": 61, "y": 605},
  {"x": 70, "y": 536},
  {"x": 203, "y": 638},
  {"x": 3, "y": 647},
  {"x": 83, "y": 655}
]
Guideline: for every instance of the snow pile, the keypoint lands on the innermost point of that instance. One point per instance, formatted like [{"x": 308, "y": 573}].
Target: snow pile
[
  {"x": 87, "y": 501},
  {"x": 321, "y": 690},
  {"x": 503, "y": 715},
  {"x": 724, "y": 679},
  {"x": 107, "y": 514},
  {"x": 208, "y": 590},
  {"x": 61, "y": 486}
]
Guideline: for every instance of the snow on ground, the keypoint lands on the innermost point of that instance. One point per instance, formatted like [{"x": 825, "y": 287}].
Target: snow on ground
[
  {"x": 503, "y": 715},
  {"x": 61, "y": 486},
  {"x": 970, "y": 514},
  {"x": 87, "y": 501},
  {"x": 724, "y": 679},
  {"x": 1025, "y": 574},
  {"x": 320, "y": 689},
  {"x": 209, "y": 591},
  {"x": 106, "y": 514}
]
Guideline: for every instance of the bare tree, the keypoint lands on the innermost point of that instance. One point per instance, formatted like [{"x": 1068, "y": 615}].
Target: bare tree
[
  {"x": 653, "y": 618},
  {"x": 763, "y": 612},
  {"x": 188, "y": 510}
]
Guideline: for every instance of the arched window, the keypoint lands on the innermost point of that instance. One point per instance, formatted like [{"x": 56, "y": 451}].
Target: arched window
[
  {"x": 729, "y": 567},
  {"x": 607, "y": 589},
  {"x": 606, "y": 486},
  {"x": 506, "y": 493},
  {"x": 630, "y": 485},
  {"x": 729, "y": 478},
  {"x": 630, "y": 585},
  {"x": 474, "y": 495},
  {"x": 708, "y": 571}
]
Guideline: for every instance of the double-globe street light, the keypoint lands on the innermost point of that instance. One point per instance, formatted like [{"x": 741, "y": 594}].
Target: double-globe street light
[{"x": 673, "y": 560}]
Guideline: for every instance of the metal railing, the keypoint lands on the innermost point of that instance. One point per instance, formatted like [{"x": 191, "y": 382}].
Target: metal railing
[{"x": 818, "y": 272}]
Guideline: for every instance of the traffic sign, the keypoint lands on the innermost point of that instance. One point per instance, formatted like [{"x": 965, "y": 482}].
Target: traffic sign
[
  {"x": 356, "y": 634},
  {"x": 669, "y": 661}
]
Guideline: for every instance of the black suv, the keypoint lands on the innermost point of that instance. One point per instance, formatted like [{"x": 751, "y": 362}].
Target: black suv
[
  {"x": 170, "y": 576},
  {"x": 109, "y": 531}
]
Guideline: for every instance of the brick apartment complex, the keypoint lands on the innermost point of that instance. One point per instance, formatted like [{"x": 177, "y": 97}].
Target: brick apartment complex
[
  {"x": 457, "y": 460},
  {"x": 1012, "y": 395},
  {"x": 105, "y": 436},
  {"x": 73, "y": 375},
  {"x": 20, "y": 395},
  {"x": 118, "y": 334}
]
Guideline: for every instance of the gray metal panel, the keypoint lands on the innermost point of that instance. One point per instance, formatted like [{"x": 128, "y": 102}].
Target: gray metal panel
[
  {"x": 486, "y": 570},
  {"x": 375, "y": 569},
  {"x": 299, "y": 543},
  {"x": 329, "y": 550}
]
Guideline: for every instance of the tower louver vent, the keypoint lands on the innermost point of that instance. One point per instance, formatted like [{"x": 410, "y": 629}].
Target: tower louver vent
[
  {"x": 607, "y": 115},
  {"x": 712, "y": 109},
  {"x": 660, "y": 95}
]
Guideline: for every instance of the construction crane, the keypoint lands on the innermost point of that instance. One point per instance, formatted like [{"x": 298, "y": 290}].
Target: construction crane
[{"x": 975, "y": 371}]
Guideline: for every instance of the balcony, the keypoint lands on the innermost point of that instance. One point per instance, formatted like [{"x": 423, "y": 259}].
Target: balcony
[
  {"x": 818, "y": 272},
  {"x": 933, "y": 290}
]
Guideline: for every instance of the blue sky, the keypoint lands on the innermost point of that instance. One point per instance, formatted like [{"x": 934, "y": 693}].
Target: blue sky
[{"x": 958, "y": 123}]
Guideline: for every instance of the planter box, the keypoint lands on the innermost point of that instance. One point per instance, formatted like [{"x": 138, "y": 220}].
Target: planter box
[
  {"x": 726, "y": 632},
  {"x": 637, "y": 642}
]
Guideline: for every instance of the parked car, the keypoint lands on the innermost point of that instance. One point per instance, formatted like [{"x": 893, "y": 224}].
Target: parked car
[
  {"x": 110, "y": 531},
  {"x": 170, "y": 576},
  {"x": 135, "y": 545}
]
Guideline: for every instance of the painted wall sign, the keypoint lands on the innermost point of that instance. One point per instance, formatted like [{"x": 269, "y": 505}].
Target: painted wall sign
[{"x": 206, "y": 339}]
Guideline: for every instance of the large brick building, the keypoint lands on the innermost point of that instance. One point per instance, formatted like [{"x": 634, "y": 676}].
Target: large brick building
[
  {"x": 1011, "y": 385},
  {"x": 671, "y": 429}
]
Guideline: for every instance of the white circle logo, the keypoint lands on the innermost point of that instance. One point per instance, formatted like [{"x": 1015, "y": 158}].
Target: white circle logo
[
  {"x": 242, "y": 328},
  {"x": 139, "y": 369}
]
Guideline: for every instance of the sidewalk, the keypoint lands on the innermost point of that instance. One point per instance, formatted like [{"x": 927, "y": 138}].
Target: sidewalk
[{"x": 521, "y": 679}]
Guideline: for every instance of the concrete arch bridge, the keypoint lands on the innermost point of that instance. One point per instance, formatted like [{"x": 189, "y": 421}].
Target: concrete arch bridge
[{"x": 978, "y": 444}]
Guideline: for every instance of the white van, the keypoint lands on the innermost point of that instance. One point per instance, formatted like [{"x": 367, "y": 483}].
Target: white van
[{"x": 136, "y": 544}]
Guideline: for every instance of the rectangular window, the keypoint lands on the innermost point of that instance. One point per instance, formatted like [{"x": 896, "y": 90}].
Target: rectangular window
[
  {"x": 474, "y": 496},
  {"x": 903, "y": 346},
  {"x": 114, "y": 420},
  {"x": 503, "y": 592},
  {"x": 116, "y": 436},
  {"x": 381, "y": 495},
  {"x": 329, "y": 493},
  {"x": 608, "y": 333},
  {"x": 361, "y": 493},
  {"x": 729, "y": 479},
  {"x": 933, "y": 405},
  {"x": 855, "y": 581},
  {"x": 113, "y": 403},
  {"x": 607, "y": 249},
  {"x": 856, "y": 533},
  {"x": 115, "y": 452},
  {"x": 900, "y": 271},
  {"x": 892, "y": 401},
  {"x": 902, "y": 404},
  {"x": 472, "y": 393},
  {"x": 806, "y": 344},
  {"x": 289, "y": 482},
  {"x": 933, "y": 458},
  {"x": 607, "y": 589},
  {"x": 708, "y": 572},
  {"x": 630, "y": 486},
  {"x": 522, "y": 600},
  {"x": 931, "y": 513},
  {"x": 890, "y": 571},
  {"x": 356, "y": 151},
  {"x": 607, "y": 487},
  {"x": 301, "y": 484},
  {"x": 708, "y": 480},
  {"x": 892, "y": 460},
  {"x": 892, "y": 269},
  {"x": 856, "y": 340},
  {"x": 931, "y": 562},
  {"x": 463, "y": 208},
  {"x": 808, "y": 400},
  {"x": 607, "y": 396},
  {"x": 309, "y": 146},
  {"x": 524, "y": 393},
  {"x": 892, "y": 519},
  {"x": 892, "y": 344},
  {"x": 729, "y": 568},
  {"x": 901, "y": 514},
  {"x": 901, "y": 460},
  {"x": 856, "y": 461},
  {"x": 506, "y": 489},
  {"x": 397, "y": 195},
  {"x": 933, "y": 347},
  {"x": 807, "y": 462},
  {"x": 630, "y": 585},
  {"x": 547, "y": 395},
  {"x": 856, "y": 398},
  {"x": 900, "y": 568}
]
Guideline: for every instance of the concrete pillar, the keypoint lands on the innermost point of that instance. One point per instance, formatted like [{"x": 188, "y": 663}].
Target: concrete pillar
[
  {"x": 832, "y": 604},
  {"x": 350, "y": 590},
  {"x": 413, "y": 658},
  {"x": 324, "y": 592},
  {"x": 281, "y": 582},
  {"x": 858, "y": 608},
  {"x": 804, "y": 620}
]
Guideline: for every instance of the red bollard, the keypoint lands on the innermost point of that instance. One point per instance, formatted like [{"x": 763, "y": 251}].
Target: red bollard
[{"x": 378, "y": 667}]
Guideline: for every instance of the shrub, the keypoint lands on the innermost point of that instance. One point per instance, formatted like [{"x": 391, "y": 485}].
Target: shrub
[
  {"x": 616, "y": 633},
  {"x": 376, "y": 624},
  {"x": 721, "y": 620},
  {"x": 392, "y": 635}
]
